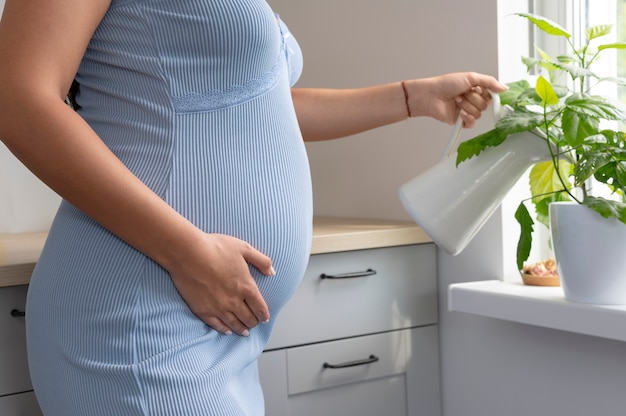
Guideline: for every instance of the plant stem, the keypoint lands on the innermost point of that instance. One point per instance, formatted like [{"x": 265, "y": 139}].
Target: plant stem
[{"x": 556, "y": 155}]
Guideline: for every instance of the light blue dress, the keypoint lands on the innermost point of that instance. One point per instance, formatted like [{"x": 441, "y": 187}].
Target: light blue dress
[{"x": 194, "y": 97}]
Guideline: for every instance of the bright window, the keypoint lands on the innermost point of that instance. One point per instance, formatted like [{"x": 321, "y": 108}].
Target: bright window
[{"x": 515, "y": 40}]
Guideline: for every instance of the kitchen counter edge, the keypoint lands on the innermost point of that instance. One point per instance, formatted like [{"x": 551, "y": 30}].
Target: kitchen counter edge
[{"x": 20, "y": 252}]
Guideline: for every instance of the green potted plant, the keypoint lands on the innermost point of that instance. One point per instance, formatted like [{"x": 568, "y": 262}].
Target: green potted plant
[{"x": 581, "y": 130}]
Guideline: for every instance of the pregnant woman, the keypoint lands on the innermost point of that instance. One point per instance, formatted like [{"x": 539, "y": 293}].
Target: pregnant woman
[{"x": 187, "y": 211}]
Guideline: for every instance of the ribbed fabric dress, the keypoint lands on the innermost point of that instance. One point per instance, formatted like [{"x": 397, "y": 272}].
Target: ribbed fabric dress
[{"x": 194, "y": 97}]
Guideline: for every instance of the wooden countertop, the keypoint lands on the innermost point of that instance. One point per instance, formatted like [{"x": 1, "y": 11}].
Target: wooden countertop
[
  {"x": 20, "y": 252},
  {"x": 18, "y": 255},
  {"x": 344, "y": 234}
]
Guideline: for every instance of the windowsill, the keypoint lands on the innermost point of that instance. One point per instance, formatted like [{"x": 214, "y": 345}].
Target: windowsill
[{"x": 540, "y": 306}]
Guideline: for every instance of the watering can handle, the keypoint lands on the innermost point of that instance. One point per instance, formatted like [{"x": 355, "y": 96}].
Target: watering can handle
[{"x": 458, "y": 127}]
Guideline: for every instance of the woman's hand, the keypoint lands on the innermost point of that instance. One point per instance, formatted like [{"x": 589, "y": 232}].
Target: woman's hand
[
  {"x": 448, "y": 97},
  {"x": 215, "y": 282}
]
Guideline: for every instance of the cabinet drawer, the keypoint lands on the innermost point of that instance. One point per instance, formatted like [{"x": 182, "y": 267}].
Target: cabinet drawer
[
  {"x": 14, "y": 375},
  {"x": 401, "y": 294},
  {"x": 23, "y": 404},
  {"x": 403, "y": 381},
  {"x": 335, "y": 363}
]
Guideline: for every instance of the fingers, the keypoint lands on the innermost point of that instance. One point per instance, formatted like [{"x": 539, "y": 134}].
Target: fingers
[
  {"x": 218, "y": 325},
  {"x": 259, "y": 260},
  {"x": 237, "y": 315},
  {"x": 478, "y": 98},
  {"x": 486, "y": 82},
  {"x": 238, "y": 323},
  {"x": 241, "y": 315},
  {"x": 254, "y": 300},
  {"x": 473, "y": 104},
  {"x": 215, "y": 281},
  {"x": 230, "y": 323},
  {"x": 258, "y": 308}
]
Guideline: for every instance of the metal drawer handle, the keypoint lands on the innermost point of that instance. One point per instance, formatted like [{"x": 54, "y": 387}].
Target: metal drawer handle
[
  {"x": 372, "y": 359},
  {"x": 17, "y": 313},
  {"x": 368, "y": 272}
]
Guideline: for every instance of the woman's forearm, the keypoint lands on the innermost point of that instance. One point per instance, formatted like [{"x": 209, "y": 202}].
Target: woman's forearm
[
  {"x": 55, "y": 143},
  {"x": 329, "y": 114},
  {"x": 326, "y": 114},
  {"x": 63, "y": 151}
]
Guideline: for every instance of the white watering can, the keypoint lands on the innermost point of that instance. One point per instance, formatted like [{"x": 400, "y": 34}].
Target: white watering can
[{"x": 451, "y": 204}]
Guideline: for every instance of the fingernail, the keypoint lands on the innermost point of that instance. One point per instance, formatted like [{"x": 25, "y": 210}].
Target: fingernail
[
  {"x": 245, "y": 333},
  {"x": 458, "y": 100},
  {"x": 228, "y": 332},
  {"x": 272, "y": 271},
  {"x": 266, "y": 321}
]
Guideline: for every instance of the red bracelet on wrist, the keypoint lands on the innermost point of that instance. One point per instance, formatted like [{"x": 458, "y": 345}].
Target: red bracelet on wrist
[{"x": 406, "y": 99}]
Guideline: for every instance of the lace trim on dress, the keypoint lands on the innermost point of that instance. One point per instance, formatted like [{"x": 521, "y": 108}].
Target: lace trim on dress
[{"x": 214, "y": 100}]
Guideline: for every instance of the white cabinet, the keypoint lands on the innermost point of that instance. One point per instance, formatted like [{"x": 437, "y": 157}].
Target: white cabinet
[
  {"x": 16, "y": 396},
  {"x": 359, "y": 337},
  {"x": 22, "y": 404},
  {"x": 369, "y": 314}
]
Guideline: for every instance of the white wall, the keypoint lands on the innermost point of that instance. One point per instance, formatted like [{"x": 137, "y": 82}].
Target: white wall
[
  {"x": 356, "y": 43},
  {"x": 489, "y": 367}
]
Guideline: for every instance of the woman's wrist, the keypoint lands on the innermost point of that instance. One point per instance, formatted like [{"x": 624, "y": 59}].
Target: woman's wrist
[
  {"x": 413, "y": 92},
  {"x": 417, "y": 96},
  {"x": 406, "y": 99}
]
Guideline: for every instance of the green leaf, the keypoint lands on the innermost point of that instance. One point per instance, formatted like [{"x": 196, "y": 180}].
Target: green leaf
[
  {"x": 607, "y": 208},
  {"x": 598, "y": 31},
  {"x": 601, "y": 139},
  {"x": 546, "y": 25},
  {"x": 575, "y": 71},
  {"x": 526, "y": 98},
  {"x": 612, "y": 46},
  {"x": 550, "y": 66},
  {"x": 530, "y": 62},
  {"x": 577, "y": 127},
  {"x": 594, "y": 106},
  {"x": 567, "y": 59},
  {"x": 526, "y": 234},
  {"x": 616, "y": 80},
  {"x": 546, "y": 92},
  {"x": 476, "y": 145},
  {"x": 543, "y": 54},
  {"x": 545, "y": 187},
  {"x": 604, "y": 158},
  {"x": 515, "y": 89},
  {"x": 545, "y": 62},
  {"x": 519, "y": 121},
  {"x": 613, "y": 174},
  {"x": 544, "y": 178},
  {"x": 589, "y": 164},
  {"x": 609, "y": 141},
  {"x": 542, "y": 210}
]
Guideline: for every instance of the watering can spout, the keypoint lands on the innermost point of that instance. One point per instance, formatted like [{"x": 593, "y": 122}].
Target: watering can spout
[{"x": 451, "y": 204}]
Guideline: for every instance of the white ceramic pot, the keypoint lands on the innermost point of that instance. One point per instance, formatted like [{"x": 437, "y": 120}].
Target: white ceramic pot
[
  {"x": 452, "y": 203},
  {"x": 590, "y": 252}
]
